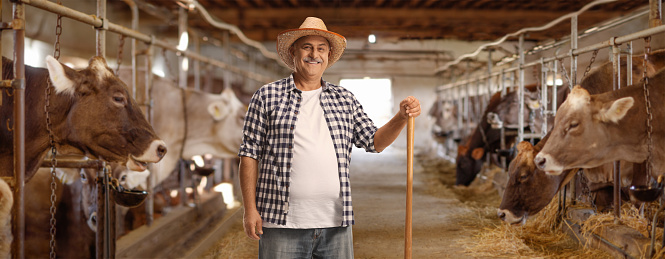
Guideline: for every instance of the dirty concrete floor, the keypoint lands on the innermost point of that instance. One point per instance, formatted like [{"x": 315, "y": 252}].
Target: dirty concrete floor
[
  {"x": 378, "y": 183},
  {"x": 379, "y": 198}
]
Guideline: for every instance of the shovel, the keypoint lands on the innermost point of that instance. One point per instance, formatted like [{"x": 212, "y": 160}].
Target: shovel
[{"x": 409, "y": 187}]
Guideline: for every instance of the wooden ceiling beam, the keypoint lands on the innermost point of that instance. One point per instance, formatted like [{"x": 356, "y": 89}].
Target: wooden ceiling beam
[{"x": 386, "y": 14}]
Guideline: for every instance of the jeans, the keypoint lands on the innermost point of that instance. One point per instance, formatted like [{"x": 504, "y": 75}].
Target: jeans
[{"x": 290, "y": 243}]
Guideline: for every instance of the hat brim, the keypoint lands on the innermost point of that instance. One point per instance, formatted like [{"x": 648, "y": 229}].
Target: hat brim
[{"x": 286, "y": 38}]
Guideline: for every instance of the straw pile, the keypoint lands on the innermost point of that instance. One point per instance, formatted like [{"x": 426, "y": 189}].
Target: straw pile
[
  {"x": 234, "y": 244},
  {"x": 539, "y": 237},
  {"x": 630, "y": 217}
]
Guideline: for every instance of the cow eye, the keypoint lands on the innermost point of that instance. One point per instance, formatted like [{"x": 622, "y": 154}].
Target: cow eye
[
  {"x": 123, "y": 178},
  {"x": 573, "y": 125},
  {"x": 119, "y": 99},
  {"x": 523, "y": 177},
  {"x": 84, "y": 178}
]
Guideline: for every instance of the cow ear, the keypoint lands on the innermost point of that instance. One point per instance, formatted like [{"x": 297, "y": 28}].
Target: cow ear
[
  {"x": 218, "y": 110},
  {"x": 615, "y": 112},
  {"x": 478, "y": 153},
  {"x": 60, "y": 76},
  {"x": 533, "y": 104},
  {"x": 461, "y": 150},
  {"x": 67, "y": 176},
  {"x": 524, "y": 146}
]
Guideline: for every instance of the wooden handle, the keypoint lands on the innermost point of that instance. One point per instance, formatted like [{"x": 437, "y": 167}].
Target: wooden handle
[{"x": 409, "y": 187}]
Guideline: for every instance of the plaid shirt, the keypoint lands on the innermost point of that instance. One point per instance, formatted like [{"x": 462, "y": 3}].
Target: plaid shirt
[{"x": 268, "y": 137}]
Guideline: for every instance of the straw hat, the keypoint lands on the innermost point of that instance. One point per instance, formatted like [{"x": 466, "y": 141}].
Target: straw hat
[{"x": 311, "y": 26}]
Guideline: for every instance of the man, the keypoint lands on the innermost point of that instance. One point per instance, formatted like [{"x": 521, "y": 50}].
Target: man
[{"x": 297, "y": 141}]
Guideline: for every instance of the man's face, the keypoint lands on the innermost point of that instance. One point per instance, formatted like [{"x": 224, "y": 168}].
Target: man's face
[{"x": 310, "y": 54}]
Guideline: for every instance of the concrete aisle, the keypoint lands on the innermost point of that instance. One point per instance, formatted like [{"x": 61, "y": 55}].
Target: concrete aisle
[{"x": 378, "y": 183}]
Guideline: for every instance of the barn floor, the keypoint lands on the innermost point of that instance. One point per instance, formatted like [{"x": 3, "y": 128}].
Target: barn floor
[{"x": 446, "y": 219}]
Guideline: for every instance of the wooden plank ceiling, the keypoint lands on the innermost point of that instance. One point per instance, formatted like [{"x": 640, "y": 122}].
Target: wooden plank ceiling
[{"x": 467, "y": 20}]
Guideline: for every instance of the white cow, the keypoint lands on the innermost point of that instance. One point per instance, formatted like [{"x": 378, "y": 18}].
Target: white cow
[{"x": 193, "y": 123}]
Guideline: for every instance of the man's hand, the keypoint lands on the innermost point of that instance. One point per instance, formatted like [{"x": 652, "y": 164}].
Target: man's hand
[
  {"x": 409, "y": 107},
  {"x": 253, "y": 224}
]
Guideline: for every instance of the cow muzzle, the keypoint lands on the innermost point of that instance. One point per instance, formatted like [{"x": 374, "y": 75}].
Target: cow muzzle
[
  {"x": 546, "y": 163},
  {"x": 510, "y": 218},
  {"x": 153, "y": 154}
]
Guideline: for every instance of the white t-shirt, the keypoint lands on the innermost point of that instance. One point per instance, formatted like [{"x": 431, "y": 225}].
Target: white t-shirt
[{"x": 314, "y": 193}]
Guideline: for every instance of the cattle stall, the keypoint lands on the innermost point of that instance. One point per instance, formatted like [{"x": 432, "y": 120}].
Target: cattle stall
[
  {"x": 222, "y": 167},
  {"x": 568, "y": 60}
]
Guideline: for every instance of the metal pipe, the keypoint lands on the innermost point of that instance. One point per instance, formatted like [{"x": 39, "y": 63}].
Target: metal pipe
[
  {"x": 197, "y": 64},
  {"x": 96, "y": 22},
  {"x": 573, "y": 47},
  {"x": 101, "y": 216},
  {"x": 135, "y": 26},
  {"x": 555, "y": 87},
  {"x": 588, "y": 32},
  {"x": 182, "y": 32},
  {"x": 237, "y": 32},
  {"x": 601, "y": 45},
  {"x": 74, "y": 163},
  {"x": 149, "y": 205},
  {"x": 19, "y": 127},
  {"x": 520, "y": 93},
  {"x": 467, "y": 126},
  {"x": 100, "y": 31},
  {"x": 616, "y": 82},
  {"x": 655, "y": 10},
  {"x": 543, "y": 97},
  {"x": 522, "y": 32}
]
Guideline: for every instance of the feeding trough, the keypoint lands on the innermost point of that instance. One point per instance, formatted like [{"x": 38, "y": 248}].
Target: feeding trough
[
  {"x": 127, "y": 198},
  {"x": 646, "y": 193}
]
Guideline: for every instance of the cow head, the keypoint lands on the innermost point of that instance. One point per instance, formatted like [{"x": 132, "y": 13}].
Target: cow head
[
  {"x": 218, "y": 131},
  {"x": 89, "y": 197},
  {"x": 82, "y": 182},
  {"x": 467, "y": 164},
  {"x": 581, "y": 124},
  {"x": 529, "y": 189},
  {"x": 130, "y": 180},
  {"x": 444, "y": 114},
  {"x": 102, "y": 120}
]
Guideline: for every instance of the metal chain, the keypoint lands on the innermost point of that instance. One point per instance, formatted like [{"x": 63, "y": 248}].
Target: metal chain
[
  {"x": 588, "y": 68},
  {"x": 565, "y": 73},
  {"x": 586, "y": 191},
  {"x": 647, "y": 49},
  {"x": 121, "y": 45},
  {"x": 54, "y": 162}
]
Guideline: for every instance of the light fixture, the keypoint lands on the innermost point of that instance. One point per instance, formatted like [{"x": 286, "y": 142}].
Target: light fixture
[
  {"x": 184, "y": 41},
  {"x": 185, "y": 64},
  {"x": 371, "y": 38}
]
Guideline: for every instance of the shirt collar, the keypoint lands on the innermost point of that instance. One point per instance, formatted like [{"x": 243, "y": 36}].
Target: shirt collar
[{"x": 292, "y": 85}]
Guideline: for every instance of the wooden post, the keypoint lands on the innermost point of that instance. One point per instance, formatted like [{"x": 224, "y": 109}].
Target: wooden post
[{"x": 409, "y": 187}]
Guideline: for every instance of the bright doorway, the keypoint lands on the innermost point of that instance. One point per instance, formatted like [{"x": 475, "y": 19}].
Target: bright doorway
[{"x": 375, "y": 95}]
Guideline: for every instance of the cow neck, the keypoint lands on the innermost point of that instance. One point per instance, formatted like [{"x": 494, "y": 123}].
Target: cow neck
[{"x": 183, "y": 95}]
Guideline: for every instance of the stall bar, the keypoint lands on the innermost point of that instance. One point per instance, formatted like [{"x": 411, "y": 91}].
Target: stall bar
[{"x": 100, "y": 23}]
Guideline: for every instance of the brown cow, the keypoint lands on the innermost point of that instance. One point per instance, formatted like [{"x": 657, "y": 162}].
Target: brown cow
[
  {"x": 528, "y": 189},
  {"x": 193, "y": 123},
  {"x": 591, "y": 130},
  {"x": 91, "y": 112},
  {"x": 485, "y": 139},
  {"x": 6, "y": 202},
  {"x": 76, "y": 206}
]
